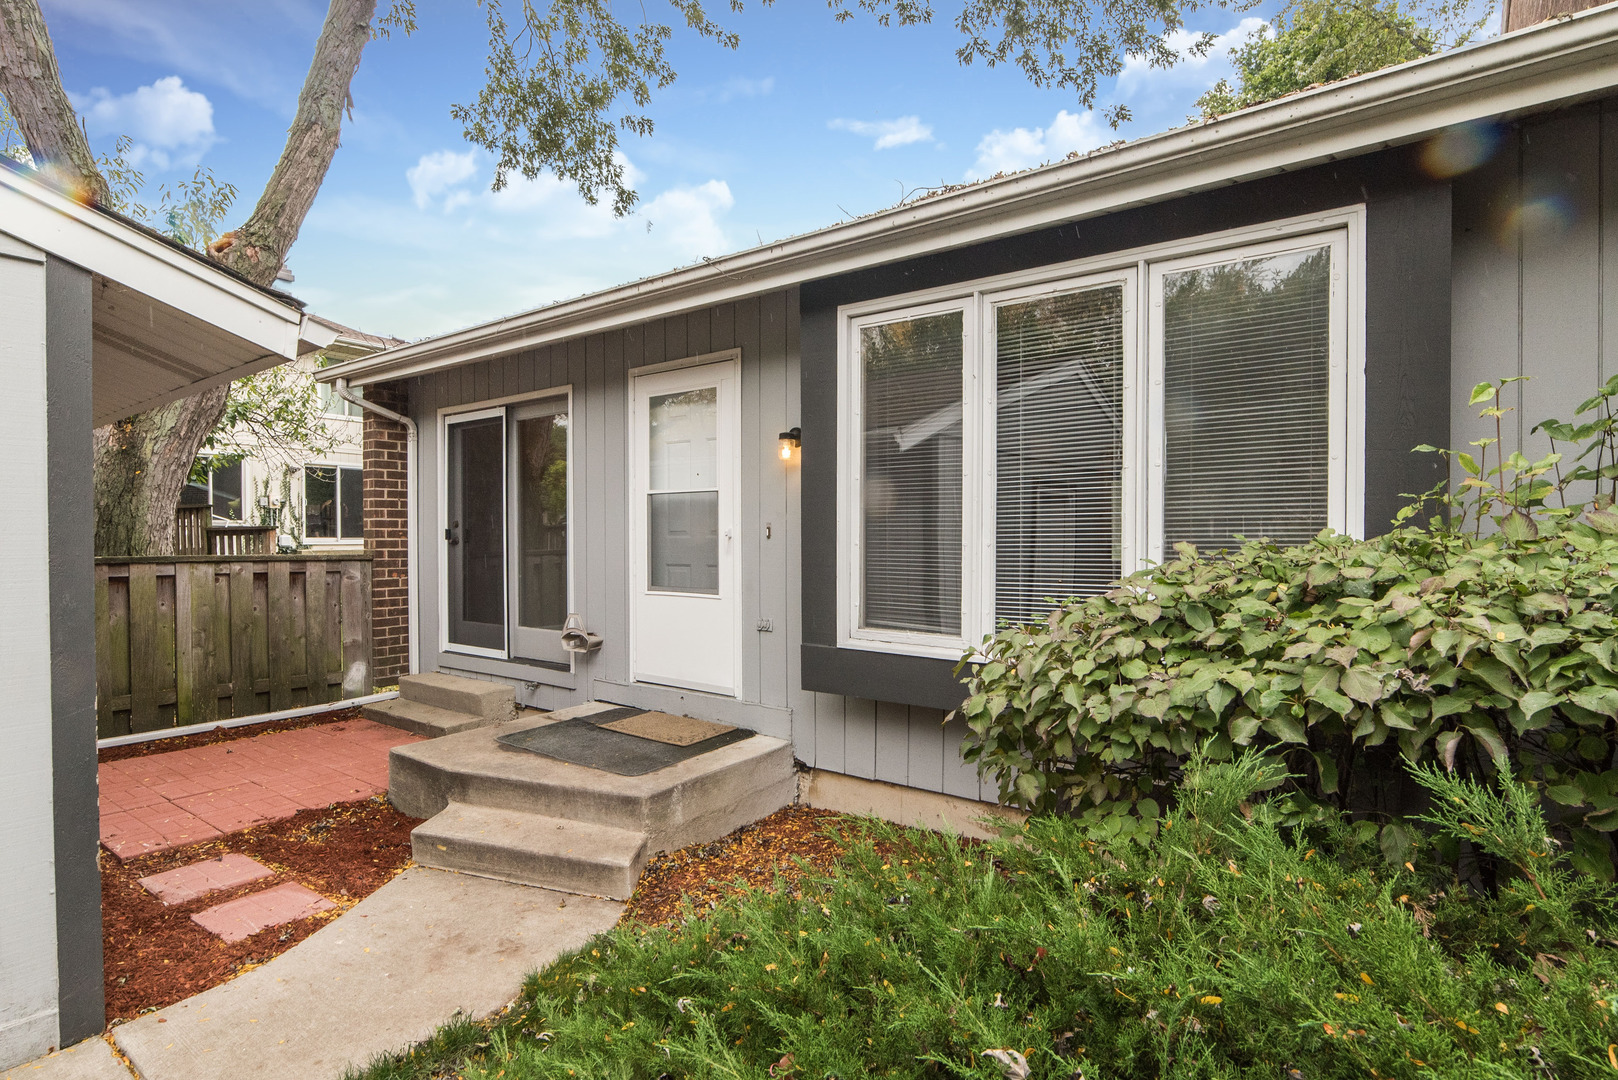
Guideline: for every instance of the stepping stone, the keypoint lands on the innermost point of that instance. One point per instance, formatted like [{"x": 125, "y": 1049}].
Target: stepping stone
[
  {"x": 244, "y": 917},
  {"x": 202, "y": 878}
]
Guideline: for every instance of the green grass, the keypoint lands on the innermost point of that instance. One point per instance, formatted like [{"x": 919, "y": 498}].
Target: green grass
[{"x": 1228, "y": 948}]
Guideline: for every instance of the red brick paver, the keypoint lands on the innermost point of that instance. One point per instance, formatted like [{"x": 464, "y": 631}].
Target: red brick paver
[
  {"x": 201, "y": 878},
  {"x": 168, "y": 800},
  {"x": 244, "y": 917}
]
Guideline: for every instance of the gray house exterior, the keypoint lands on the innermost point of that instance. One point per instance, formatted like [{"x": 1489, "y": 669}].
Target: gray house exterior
[{"x": 1010, "y": 391}]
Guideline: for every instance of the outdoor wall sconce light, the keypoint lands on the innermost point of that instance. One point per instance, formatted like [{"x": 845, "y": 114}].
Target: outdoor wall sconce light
[{"x": 789, "y": 441}]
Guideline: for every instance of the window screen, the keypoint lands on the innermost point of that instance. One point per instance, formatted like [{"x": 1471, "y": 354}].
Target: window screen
[
  {"x": 1247, "y": 354},
  {"x": 1059, "y": 449},
  {"x": 911, "y": 408}
]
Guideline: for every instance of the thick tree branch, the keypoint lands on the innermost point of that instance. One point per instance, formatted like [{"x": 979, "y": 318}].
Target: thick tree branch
[
  {"x": 32, "y": 87},
  {"x": 258, "y": 248}
]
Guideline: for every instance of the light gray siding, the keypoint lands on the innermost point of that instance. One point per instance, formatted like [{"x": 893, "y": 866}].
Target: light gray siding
[
  {"x": 1535, "y": 286},
  {"x": 896, "y": 743}
]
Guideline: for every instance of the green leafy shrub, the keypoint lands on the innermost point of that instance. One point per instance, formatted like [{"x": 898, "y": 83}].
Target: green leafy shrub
[
  {"x": 1222, "y": 948},
  {"x": 1486, "y": 652}
]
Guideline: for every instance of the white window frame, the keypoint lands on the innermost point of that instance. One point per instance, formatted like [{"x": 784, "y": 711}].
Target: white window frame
[
  {"x": 1140, "y": 271},
  {"x": 473, "y": 411},
  {"x": 303, "y": 505}
]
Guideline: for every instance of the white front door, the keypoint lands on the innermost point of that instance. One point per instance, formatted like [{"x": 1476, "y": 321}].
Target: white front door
[{"x": 684, "y": 542}]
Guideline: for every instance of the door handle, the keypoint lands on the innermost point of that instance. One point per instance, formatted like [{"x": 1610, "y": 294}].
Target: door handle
[{"x": 449, "y": 534}]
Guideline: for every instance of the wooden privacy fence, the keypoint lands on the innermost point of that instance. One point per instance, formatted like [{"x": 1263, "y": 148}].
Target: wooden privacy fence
[{"x": 191, "y": 640}]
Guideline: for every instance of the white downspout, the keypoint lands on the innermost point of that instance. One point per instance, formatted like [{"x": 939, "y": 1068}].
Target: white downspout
[{"x": 411, "y": 531}]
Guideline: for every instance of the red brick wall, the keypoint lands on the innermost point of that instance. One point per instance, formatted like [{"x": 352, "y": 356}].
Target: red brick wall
[{"x": 386, "y": 533}]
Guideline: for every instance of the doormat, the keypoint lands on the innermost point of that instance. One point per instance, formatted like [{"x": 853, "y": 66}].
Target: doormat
[
  {"x": 667, "y": 728},
  {"x": 589, "y": 741}
]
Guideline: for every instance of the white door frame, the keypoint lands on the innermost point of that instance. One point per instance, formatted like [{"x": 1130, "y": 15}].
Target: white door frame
[{"x": 726, "y": 375}]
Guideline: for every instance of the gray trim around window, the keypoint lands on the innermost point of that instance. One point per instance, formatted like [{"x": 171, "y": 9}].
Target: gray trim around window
[{"x": 1407, "y": 314}]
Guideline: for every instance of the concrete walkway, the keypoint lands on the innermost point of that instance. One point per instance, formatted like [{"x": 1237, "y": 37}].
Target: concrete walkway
[
  {"x": 91, "y": 1059},
  {"x": 381, "y": 977},
  {"x": 186, "y": 796}
]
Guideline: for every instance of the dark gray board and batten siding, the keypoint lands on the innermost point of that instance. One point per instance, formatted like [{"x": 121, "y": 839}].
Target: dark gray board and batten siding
[{"x": 897, "y": 743}]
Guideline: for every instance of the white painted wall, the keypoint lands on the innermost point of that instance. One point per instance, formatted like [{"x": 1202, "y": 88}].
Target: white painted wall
[{"x": 28, "y": 974}]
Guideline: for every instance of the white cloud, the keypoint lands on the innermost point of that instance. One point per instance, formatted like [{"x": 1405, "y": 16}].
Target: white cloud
[
  {"x": 1021, "y": 148},
  {"x": 888, "y": 133},
  {"x": 1200, "y": 71},
  {"x": 171, "y": 126},
  {"x": 739, "y": 87},
  {"x": 688, "y": 217},
  {"x": 440, "y": 173}
]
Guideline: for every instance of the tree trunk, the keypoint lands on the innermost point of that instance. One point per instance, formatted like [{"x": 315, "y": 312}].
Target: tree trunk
[
  {"x": 258, "y": 248},
  {"x": 32, "y": 87},
  {"x": 141, "y": 463}
]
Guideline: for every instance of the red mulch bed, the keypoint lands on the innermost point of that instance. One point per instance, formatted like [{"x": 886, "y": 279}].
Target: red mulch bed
[
  {"x": 750, "y": 857},
  {"x": 155, "y": 955},
  {"x": 222, "y": 734}
]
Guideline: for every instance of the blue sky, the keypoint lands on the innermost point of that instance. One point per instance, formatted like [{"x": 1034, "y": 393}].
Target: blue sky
[{"x": 807, "y": 122}]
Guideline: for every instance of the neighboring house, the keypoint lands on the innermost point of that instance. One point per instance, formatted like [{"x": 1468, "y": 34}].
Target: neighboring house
[
  {"x": 1015, "y": 390},
  {"x": 313, "y": 495},
  {"x": 100, "y": 318}
]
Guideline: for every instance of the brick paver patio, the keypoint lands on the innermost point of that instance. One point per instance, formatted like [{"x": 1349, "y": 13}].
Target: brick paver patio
[
  {"x": 247, "y": 915},
  {"x": 167, "y": 800},
  {"x": 200, "y": 878}
]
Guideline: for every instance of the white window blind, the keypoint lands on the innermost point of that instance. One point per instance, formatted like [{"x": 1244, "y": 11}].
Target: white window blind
[
  {"x": 1247, "y": 394},
  {"x": 911, "y": 411},
  {"x": 1059, "y": 449}
]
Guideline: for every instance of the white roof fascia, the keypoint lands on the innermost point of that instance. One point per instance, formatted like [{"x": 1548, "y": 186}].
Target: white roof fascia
[
  {"x": 1556, "y": 62},
  {"x": 103, "y": 245}
]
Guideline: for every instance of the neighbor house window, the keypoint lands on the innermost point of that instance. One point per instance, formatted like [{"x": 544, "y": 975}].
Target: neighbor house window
[
  {"x": 332, "y": 405},
  {"x": 333, "y": 503},
  {"x": 1024, "y": 443},
  {"x": 222, "y": 491}
]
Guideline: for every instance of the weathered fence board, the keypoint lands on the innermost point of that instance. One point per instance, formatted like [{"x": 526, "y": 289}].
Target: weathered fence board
[{"x": 194, "y": 640}]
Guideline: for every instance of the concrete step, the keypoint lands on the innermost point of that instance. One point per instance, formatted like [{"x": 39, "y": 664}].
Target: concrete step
[
  {"x": 419, "y": 719},
  {"x": 532, "y": 849},
  {"x": 489, "y": 701},
  {"x": 694, "y": 801}
]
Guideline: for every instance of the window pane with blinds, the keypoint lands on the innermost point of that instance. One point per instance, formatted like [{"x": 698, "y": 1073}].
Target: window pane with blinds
[
  {"x": 1059, "y": 449},
  {"x": 1247, "y": 359},
  {"x": 911, "y": 417}
]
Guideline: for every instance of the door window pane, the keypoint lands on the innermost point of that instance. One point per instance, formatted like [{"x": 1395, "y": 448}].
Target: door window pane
[
  {"x": 1247, "y": 355},
  {"x": 227, "y": 492},
  {"x": 1059, "y": 449},
  {"x": 351, "y": 504},
  {"x": 320, "y": 502},
  {"x": 685, "y": 440},
  {"x": 683, "y": 547},
  {"x": 542, "y": 529},
  {"x": 911, "y": 402},
  {"x": 477, "y": 580}
]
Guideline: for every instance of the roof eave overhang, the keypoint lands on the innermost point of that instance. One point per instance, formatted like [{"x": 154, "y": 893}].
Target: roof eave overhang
[{"x": 1550, "y": 65}]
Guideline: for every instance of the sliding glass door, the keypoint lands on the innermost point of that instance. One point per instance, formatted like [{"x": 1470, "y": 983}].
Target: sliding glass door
[{"x": 506, "y": 531}]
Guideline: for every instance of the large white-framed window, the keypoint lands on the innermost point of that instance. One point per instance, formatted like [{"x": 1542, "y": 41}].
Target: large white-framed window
[{"x": 1063, "y": 427}]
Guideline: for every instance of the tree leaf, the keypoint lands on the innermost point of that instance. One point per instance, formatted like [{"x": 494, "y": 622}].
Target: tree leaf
[
  {"x": 1361, "y": 685},
  {"x": 1197, "y": 617},
  {"x": 1604, "y": 521},
  {"x": 1328, "y": 773},
  {"x": 1447, "y": 743},
  {"x": 1395, "y": 843},
  {"x": 1286, "y": 729},
  {"x": 1493, "y": 743},
  {"x": 1242, "y": 729},
  {"x": 1518, "y": 527}
]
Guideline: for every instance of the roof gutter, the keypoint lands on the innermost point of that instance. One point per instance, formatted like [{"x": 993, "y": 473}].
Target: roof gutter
[{"x": 1557, "y": 62}]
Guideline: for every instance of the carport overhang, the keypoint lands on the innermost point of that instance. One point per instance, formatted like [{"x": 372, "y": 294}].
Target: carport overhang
[{"x": 167, "y": 322}]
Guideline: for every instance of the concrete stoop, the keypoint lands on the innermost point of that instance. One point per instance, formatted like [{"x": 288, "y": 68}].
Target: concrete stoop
[
  {"x": 435, "y": 704},
  {"x": 504, "y": 813}
]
